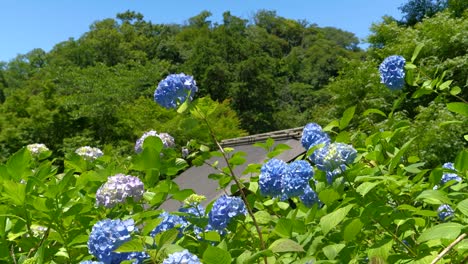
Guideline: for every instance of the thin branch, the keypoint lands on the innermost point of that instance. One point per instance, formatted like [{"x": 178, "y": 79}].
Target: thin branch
[
  {"x": 447, "y": 249},
  {"x": 238, "y": 183}
]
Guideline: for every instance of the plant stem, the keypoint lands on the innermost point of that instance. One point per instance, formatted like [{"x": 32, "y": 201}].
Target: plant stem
[
  {"x": 447, "y": 249},
  {"x": 395, "y": 237},
  {"x": 238, "y": 183}
]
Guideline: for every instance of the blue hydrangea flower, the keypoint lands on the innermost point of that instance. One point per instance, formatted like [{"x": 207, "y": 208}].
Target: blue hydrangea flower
[
  {"x": 392, "y": 72},
  {"x": 91, "y": 262},
  {"x": 297, "y": 178},
  {"x": 313, "y": 135},
  {"x": 108, "y": 235},
  {"x": 271, "y": 175},
  {"x": 175, "y": 90},
  {"x": 446, "y": 177},
  {"x": 117, "y": 189},
  {"x": 167, "y": 140},
  {"x": 169, "y": 221},
  {"x": 89, "y": 153},
  {"x": 445, "y": 212},
  {"x": 37, "y": 148},
  {"x": 182, "y": 257},
  {"x": 309, "y": 197},
  {"x": 333, "y": 158},
  {"x": 224, "y": 209}
]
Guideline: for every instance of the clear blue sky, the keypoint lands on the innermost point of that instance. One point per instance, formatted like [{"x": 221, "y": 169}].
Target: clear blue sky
[{"x": 29, "y": 24}]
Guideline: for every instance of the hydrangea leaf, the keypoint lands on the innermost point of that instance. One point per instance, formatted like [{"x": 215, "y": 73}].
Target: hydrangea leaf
[
  {"x": 366, "y": 187},
  {"x": 331, "y": 251},
  {"x": 285, "y": 245},
  {"x": 446, "y": 231},
  {"x": 458, "y": 107},
  {"x": 461, "y": 161},
  {"x": 17, "y": 164},
  {"x": 463, "y": 207},
  {"x": 416, "y": 51},
  {"x": 347, "y": 116},
  {"x": 433, "y": 197},
  {"x": 134, "y": 245},
  {"x": 329, "y": 221},
  {"x": 352, "y": 229},
  {"x": 215, "y": 255}
]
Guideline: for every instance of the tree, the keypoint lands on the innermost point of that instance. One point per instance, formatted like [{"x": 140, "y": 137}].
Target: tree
[{"x": 415, "y": 10}]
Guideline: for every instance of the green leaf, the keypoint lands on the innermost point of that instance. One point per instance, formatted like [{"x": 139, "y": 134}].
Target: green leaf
[
  {"x": 455, "y": 90},
  {"x": 215, "y": 255},
  {"x": 433, "y": 197},
  {"x": 397, "y": 158},
  {"x": 347, "y": 116},
  {"x": 463, "y": 207},
  {"x": 212, "y": 236},
  {"x": 328, "y": 196},
  {"x": 254, "y": 257},
  {"x": 134, "y": 245},
  {"x": 458, "y": 107},
  {"x": 183, "y": 107},
  {"x": 331, "y": 251},
  {"x": 445, "y": 85},
  {"x": 263, "y": 217},
  {"x": 17, "y": 164},
  {"x": 461, "y": 161},
  {"x": 167, "y": 237},
  {"x": 448, "y": 231},
  {"x": 285, "y": 245},
  {"x": 416, "y": 51},
  {"x": 374, "y": 111},
  {"x": 381, "y": 250},
  {"x": 182, "y": 194},
  {"x": 329, "y": 221},
  {"x": 421, "y": 91},
  {"x": 364, "y": 188},
  {"x": 331, "y": 125},
  {"x": 238, "y": 158},
  {"x": 284, "y": 227},
  {"x": 352, "y": 229},
  {"x": 16, "y": 192}
]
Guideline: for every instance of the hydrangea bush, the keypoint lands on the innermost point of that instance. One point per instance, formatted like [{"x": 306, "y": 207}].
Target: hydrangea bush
[{"x": 358, "y": 198}]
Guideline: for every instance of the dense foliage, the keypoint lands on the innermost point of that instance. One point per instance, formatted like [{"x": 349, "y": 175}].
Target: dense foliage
[
  {"x": 96, "y": 90},
  {"x": 383, "y": 177}
]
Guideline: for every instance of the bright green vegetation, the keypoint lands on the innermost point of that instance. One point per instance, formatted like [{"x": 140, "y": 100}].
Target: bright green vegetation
[{"x": 275, "y": 73}]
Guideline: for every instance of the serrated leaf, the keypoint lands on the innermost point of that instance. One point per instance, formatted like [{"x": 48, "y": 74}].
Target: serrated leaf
[
  {"x": 262, "y": 217},
  {"x": 364, "y": 188},
  {"x": 215, "y": 255},
  {"x": 463, "y": 207},
  {"x": 331, "y": 220},
  {"x": 166, "y": 237},
  {"x": 285, "y": 245},
  {"x": 352, "y": 229},
  {"x": 448, "y": 231},
  {"x": 134, "y": 245},
  {"x": 433, "y": 197},
  {"x": 328, "y": 196},
  {"x": 331, "y": 251}
]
